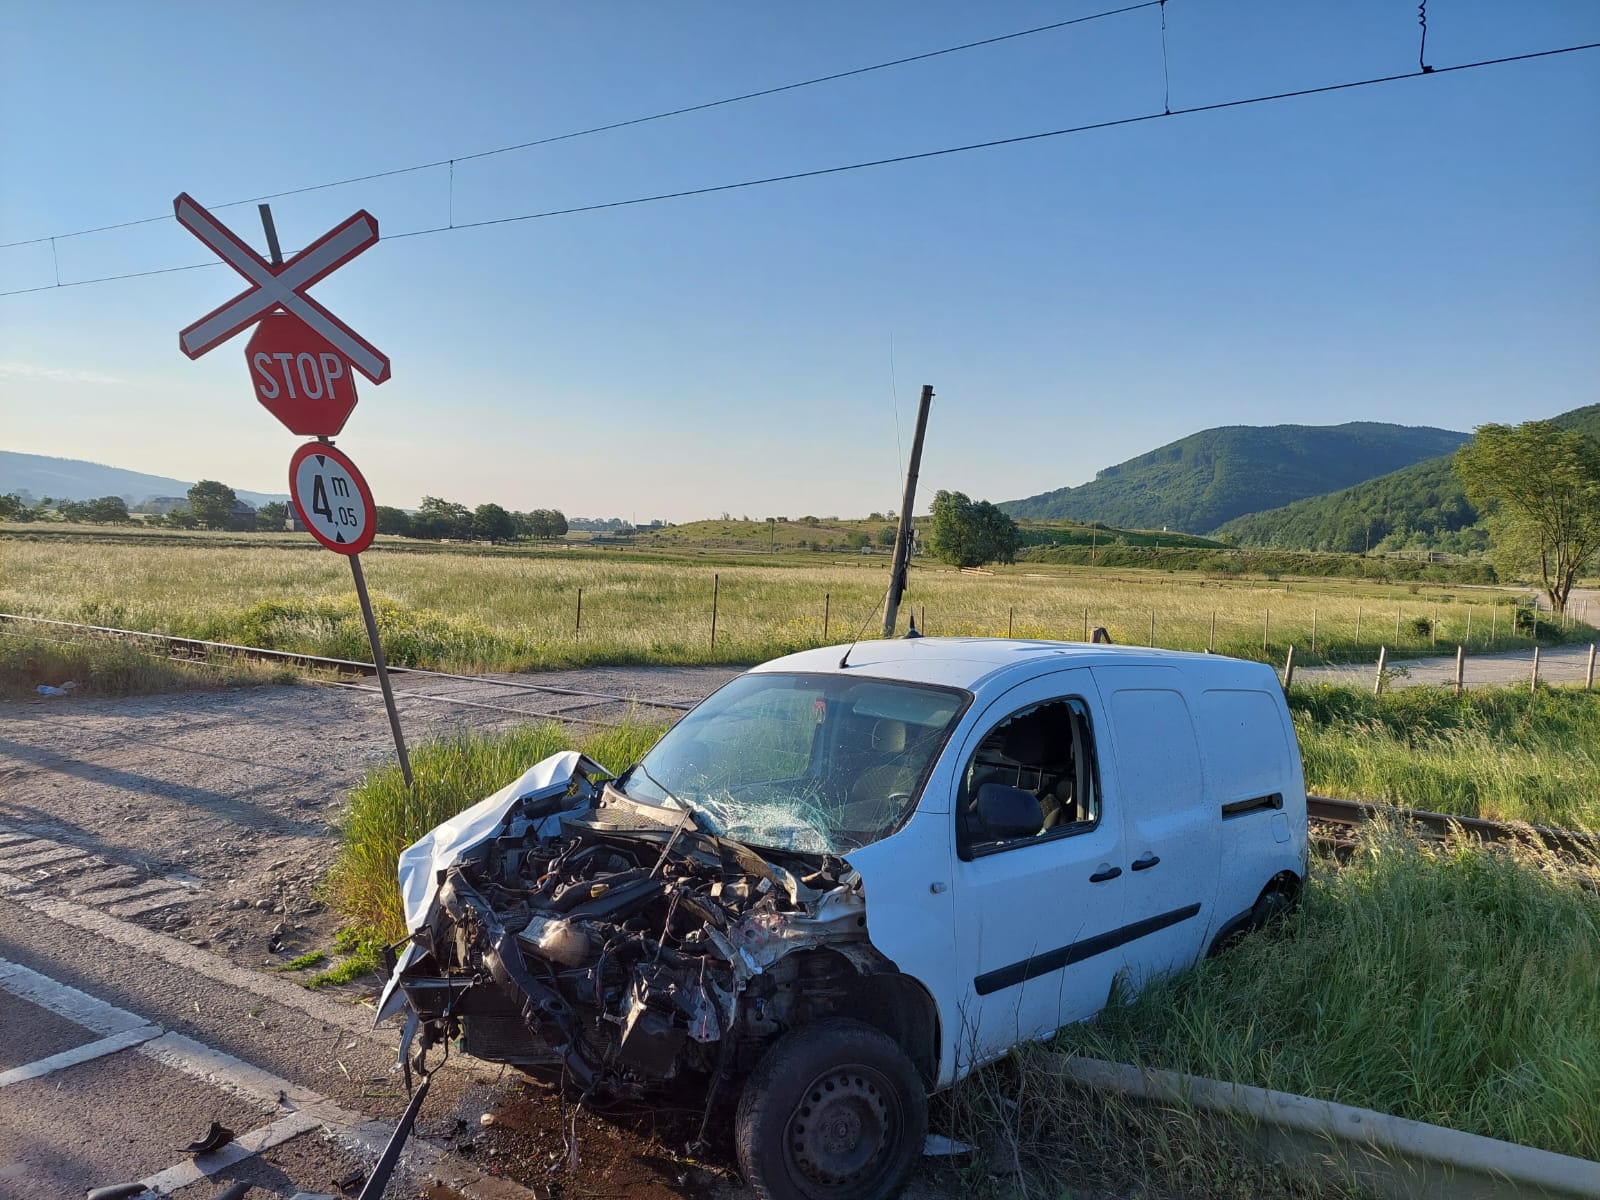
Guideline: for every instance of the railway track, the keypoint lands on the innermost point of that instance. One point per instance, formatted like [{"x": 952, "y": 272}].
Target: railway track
[
  {"x": 340, "y": 672},
  {"x": 1333, "y": 821}
]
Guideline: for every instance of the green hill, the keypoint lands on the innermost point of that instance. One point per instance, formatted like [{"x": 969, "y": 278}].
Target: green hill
[
  {"x": 1199, "y": 482},
  {"x": 1418, "y": 506}
]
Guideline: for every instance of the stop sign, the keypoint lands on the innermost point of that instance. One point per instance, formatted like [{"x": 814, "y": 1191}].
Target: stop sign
[{"x": 299, "y": 378}]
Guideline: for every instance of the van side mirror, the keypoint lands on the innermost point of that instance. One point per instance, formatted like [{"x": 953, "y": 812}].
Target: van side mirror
[{"x": 1006, "y": 812}]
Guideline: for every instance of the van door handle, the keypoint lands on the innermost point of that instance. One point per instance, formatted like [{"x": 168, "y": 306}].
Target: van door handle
[
  {"x": 1104, "y": 874},
  {"x": 1145, "y": 863}
]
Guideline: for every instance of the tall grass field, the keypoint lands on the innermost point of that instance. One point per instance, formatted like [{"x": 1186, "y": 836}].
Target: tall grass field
[{"x": 505, "y": 611}]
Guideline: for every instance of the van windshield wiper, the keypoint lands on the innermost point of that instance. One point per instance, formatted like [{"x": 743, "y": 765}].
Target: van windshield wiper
[{"x": 678, "y": 803}]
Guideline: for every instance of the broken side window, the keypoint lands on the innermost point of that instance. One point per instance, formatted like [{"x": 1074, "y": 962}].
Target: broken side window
[{"x": 1044, "y": 751}]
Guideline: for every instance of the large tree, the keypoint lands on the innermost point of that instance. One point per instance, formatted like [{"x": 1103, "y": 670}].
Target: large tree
[
  {"x": 968, "y": 534},
  {"x": 1540, "y": 488},
  {"x": 272, "y": 516},
  {"x": 493, "y": 523},
  {"x": 212, "y": 504}
]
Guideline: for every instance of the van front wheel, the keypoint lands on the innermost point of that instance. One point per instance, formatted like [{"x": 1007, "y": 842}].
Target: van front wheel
[{"x": 833, "y": 1111}]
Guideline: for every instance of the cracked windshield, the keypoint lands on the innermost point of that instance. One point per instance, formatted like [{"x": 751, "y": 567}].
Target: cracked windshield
[{"x": 811, "y": 763}]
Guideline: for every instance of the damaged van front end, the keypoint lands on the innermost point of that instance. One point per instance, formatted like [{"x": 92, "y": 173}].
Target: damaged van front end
[{"x": 562, "y": 925}]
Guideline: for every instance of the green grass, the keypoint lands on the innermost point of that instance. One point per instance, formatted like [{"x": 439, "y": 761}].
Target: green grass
[
  {"x": 451, "y": 774},
  {"x": 1453, "y": 985},
  {"x": 113, "y": 668},
  {"x": 1500, "y": 753},
  {"x": 517, "y": 609}
]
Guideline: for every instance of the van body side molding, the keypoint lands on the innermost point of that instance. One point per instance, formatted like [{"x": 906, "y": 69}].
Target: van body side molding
[{"x": 1053, "y": 960}]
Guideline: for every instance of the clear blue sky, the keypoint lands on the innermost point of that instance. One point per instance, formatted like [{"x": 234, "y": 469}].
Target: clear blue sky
[{"x": 1426, "y": 252}]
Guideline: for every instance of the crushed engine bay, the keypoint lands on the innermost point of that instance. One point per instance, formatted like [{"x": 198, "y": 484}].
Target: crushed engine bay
[{"x": 622, "y": 942}]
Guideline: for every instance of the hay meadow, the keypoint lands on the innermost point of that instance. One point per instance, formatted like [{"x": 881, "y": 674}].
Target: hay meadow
[{"x": 519, "y": 609}]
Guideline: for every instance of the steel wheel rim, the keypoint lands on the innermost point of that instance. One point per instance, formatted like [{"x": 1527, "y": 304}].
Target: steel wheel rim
[{"x": 840, "y": 1133}]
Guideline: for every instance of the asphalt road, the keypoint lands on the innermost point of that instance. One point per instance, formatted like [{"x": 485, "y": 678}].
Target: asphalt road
[{"x": 119, "y": 1046}]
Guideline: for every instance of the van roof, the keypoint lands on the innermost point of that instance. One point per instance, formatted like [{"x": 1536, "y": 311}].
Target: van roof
[{"x": 970, "y": 662}]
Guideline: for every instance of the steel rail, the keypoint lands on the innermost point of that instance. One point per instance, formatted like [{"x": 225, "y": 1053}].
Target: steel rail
[
  {"x": 337, "y": 665},
  {"x": 1352, "y": 813}
]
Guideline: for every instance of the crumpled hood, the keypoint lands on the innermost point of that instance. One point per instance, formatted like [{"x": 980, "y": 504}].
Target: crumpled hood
[{"x": 422, "y": 863}]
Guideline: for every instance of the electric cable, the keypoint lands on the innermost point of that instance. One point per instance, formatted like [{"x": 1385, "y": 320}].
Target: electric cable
[
  {"x": 894, "y": 160},
  {"x": 614, "y": 125}
]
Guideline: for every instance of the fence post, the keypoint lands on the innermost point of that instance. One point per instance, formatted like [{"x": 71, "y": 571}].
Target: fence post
[
  {"x": 1397, "y": 625},
  {"x": 1288, "y": 668},
  {"x": 1086, "y": 624},
  {"x": 924, "y": 620},
  {"x": 1152, "y": 627},
  {"x": 1433, "y": 627},
  {"x": 1211, "y": 645},
  {"x": 1377, "y": 686},
  {"x": 1011, "y": 617},
  {"x": 716, "y": 586},
  {"x": 1588, "y": 680},
  {"x": 1313, "y": 633},
  {"x": 1358, "y": 626},
  {"x": 1533, "y": 684},
  {"x": 1461, "y": 668},
  {"x": 827, "y": 603},
  {"x": 1494, "y": 623},
  {"x": 577, "y": 626},
  {"x": 1469, "y": 626},
  {"x": 1266, "y": 628}
]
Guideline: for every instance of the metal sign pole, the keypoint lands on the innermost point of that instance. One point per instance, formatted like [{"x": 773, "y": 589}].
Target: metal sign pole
[
  {"x": 271, "y": 230},
  {"x": 383, "y": 667}
]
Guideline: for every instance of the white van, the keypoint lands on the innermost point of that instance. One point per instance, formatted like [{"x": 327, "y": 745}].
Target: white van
[{"x": 852, "y": 875}]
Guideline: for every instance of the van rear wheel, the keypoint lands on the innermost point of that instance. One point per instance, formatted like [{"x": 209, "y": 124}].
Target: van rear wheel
[{"x": 833, "y": 1111}]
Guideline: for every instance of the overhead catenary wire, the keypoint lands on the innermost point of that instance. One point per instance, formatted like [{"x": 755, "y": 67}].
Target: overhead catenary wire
[
  {"x": 919, "y": 156},
  {"x": 686, "y": 110}
]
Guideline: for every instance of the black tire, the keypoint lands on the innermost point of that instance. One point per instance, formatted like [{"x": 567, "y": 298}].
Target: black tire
[{"x": 833, "y": 1111}]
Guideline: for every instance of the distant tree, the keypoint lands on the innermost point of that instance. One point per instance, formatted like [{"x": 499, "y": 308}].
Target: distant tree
[
  {"x": 270, "y": 518},
  {"x": 542, "y": 523},
  {"x": 438, "y": 519},
  {"x": 886, "y": 535},
  {"x": 12, "y": 508},
  {"x": 856, "y": 539},
  {"x": 108, "y": 510},
  {"x": 967, "y": 534},
  {"x": 74, "y": 511},
  {"x": 212, "y": 504},
  {"x": 182, "y": 518},
  {"x": 396, "y": 521},
  {"x": 492, "y": 523},
  {"x": 1540, "y": 486},
  {"x": 875, "y": 516}
]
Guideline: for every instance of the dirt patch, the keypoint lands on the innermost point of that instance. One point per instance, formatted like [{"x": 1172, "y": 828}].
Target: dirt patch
[{"x": 236, "y": 794}]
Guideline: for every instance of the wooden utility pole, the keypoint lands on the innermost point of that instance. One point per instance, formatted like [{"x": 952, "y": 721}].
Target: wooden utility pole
[{"x": 902, "y": 536}]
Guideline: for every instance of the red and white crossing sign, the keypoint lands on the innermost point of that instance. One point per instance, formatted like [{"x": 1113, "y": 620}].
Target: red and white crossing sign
[
  {"x": 299, "y": 377},
  {"x": 333, "y": 500},
  {"x": 282, "y": 287}
]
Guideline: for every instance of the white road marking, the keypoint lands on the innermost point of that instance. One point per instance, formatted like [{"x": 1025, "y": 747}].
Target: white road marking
[
  {"x": 79, "y": 1054},
  {"x": 115, "y": 895},
  {"x": 151, "y": 903},
  {"x": 355, "y": 1018},
  {"x": 101, "y": 879},
  {"x": 78, "y": 1007}
]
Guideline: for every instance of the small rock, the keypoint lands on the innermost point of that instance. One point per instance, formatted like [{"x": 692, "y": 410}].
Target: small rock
[
  {"x": 237, "y": 903},
  {"x": 486, "y": 1120},
  {"x": 264, "y": 905}
]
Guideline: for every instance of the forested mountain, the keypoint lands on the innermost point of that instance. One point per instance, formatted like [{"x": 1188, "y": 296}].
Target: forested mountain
[
  {"x": 75, "y": 479},
  {"x": 1199, "y": 482},
  {"x": 1418, "y": 506}
]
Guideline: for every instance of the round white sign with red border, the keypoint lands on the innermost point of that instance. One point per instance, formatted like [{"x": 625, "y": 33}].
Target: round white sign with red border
[{"x": 333, "y": 500}]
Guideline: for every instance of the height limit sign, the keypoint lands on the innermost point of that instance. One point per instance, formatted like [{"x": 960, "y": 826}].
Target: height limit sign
[{"x": 332, "y": 498}]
